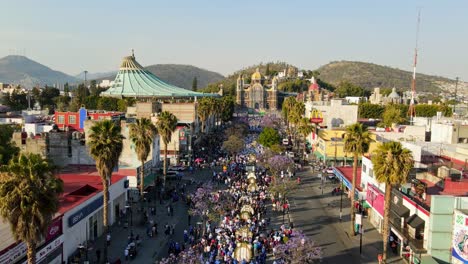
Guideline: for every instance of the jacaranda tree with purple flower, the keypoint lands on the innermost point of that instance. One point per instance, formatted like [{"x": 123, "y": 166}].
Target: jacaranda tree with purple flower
[
  {"x": 299, "y": 249},
  {"x": 188, "y": 256}
]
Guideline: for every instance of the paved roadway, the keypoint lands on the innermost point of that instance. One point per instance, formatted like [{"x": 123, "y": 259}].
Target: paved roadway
[{"x": 318, "y": 216}]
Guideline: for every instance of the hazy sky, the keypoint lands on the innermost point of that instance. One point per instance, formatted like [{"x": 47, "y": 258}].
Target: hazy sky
[{"x": 226, "y": 35}]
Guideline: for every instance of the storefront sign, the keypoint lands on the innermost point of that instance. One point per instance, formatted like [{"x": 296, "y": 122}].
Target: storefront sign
[
  {"x": 19, "y": 251},
  {"x": 85, "y": 211},
  {"x": 460, "y": 238},
  {"x": 54, "y": 230},
  {"x": 375, "y": 198},
  {"x": 49, "y": 248}
]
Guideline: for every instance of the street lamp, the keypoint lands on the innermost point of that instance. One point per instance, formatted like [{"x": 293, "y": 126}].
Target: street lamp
[{"x": 341, "y": 199}]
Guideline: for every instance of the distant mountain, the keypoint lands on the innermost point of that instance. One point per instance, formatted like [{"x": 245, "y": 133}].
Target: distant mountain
[
  {"x": 369, "y": 76},
  {"x": 21, "y": 70},
  {"x": 178, "y": 75}
]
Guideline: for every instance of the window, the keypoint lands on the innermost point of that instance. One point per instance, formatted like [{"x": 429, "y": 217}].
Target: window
[
  {"x": 364, "y": 169},
  {"x": 72, "y": 120},
  {"x": 61, "y": 119},
  {"x": 371, "y": 173}
]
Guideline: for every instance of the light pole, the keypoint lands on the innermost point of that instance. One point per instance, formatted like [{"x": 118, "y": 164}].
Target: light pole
[{"x": 361, "y": 228}]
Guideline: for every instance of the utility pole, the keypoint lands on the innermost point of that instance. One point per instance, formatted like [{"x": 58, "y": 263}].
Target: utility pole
[
  {"x": 412, "y": 108},
  {"x": 85, "y": 73}
]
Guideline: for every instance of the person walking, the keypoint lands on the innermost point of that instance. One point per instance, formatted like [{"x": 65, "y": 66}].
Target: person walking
[
  {"x": 126, "y": 253},
  {"x": 108, "y": 238}
]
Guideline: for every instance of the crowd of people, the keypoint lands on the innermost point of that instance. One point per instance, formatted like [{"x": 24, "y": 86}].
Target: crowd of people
[{"x": 240, "y": 230}]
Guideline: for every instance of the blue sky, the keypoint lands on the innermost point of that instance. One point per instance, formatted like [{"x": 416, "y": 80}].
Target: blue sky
[{"x": 227, "y": 35}]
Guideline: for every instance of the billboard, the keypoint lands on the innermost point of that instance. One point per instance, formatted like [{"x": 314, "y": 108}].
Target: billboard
[{"x": 460, "y": 238}]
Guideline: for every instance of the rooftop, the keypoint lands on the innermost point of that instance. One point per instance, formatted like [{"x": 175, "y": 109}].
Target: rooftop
[
  {"x": 133, "y": 80},
  {"x": 347, "y": 172},
  {"x": 82, "y": 185}
]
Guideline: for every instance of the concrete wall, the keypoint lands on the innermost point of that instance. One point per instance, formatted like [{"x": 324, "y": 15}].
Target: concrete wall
[
  {"x": 368, "y": 176},
  {"x": 185, "y": 112},
  {"x": 442, "y": 133}
]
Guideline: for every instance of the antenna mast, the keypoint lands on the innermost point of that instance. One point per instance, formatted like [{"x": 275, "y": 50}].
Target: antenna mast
[{"x": 412, "y": 109}]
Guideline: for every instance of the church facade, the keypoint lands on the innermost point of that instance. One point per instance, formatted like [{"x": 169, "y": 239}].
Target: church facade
[{"x": 258, "y": 94}]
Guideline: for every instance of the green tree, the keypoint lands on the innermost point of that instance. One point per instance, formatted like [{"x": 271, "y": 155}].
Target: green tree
[
  {"x": 392, "y": 164},
  {"x": 194, "y": 84},
  {"x": 368, "y": 110},
  {"x": 287, "y": 107},
  {"x": 269, "y": 137},
  {"x": 392, "y": 115},
  {"x": 357, "y": 141},
  {"x": 66, "y": 89},
  {"x": 17, "y": 100},
  {"x": 108, "y": 103},
  {"x": 426, "y": 110},
  {"x": 166, "y": 125},
  {"x": 142, "y": 133},
  {"x": 92, "y": 102},
  {"x": 233, "y": 145},
  {"x": 204, "y": 109},
  {"x": 93, "y": 88},
  {"x": 346, "y": 88},
  {"x": 105, "y": 145},
  {"x": 305, "y": 128},
  {"x": 7, "y": 149},
  {"x": 227, "y": 108},
  {"x": 29, "y": 199},
  {"x": 47, "y": 97}
]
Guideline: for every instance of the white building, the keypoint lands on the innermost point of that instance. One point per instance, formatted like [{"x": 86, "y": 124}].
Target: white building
[{"x": 336, "y": 113}]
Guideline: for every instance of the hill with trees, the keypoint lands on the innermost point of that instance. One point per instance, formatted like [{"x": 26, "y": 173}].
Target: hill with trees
[
  {"x": 15, "y": 69},
  {"x": 370, "y": 75}
]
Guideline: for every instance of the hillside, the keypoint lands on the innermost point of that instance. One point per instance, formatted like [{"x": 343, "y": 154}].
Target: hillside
[
  {"x": 28, "y": 73},
  {"x": 179, "y": 75},
  {"x": 369, "y": 75}
]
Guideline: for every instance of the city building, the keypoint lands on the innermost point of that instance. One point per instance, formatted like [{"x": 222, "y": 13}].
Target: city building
[
  {"x": 393, "y": 98},
  {"x": 258, "y": 94},
  {"x": 79, "y": 219},
  {"x": 335, "y": 113},
  {"x": 71, "y": 121}
]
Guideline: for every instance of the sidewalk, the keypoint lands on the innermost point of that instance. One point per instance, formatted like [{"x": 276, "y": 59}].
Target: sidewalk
[
  {"x": 151, "y": 248},
  {"x": 371, "y": 238}
]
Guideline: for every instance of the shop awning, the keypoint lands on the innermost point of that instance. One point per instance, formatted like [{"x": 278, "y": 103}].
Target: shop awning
[
  {"x": 149, "y": 179},
  {"x": 415, "y": 221},
  {"x": 400, "y": 210},
  {"x": 366, "y": 205}
]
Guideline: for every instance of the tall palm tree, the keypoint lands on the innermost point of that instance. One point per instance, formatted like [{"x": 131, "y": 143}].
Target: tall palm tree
[
  {"x": 166, "y": 125},
  {"x": 392, "y": 164},
  {"x": 295, "y": 116},
  {"x": 205, "y": 109},
  {"x": 142, "y": 133},
  {"x": 357, "y": 141},
  {"x": 288, "y": 104},
  {"x": 29, "y": 198},
  {"x": 105, "y": 145},
  {"x": 305, "y": 128}
]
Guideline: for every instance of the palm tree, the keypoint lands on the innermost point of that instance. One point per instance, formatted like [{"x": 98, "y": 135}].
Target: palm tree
[
  {"x": 295, "y": 116},
  {"x": 29, "y": 198},
  {"x": 305, "y": 128},
  {"x": 392, "y": 164},
  {"x": 357, "y": 141},
  {"x": 142, "y": 133},
  {"x": 288, "y": 104},
  {"x": 167, "y": 124},
  {"x": 105, "y": 146},
  {"x": 204, "y": 110}
]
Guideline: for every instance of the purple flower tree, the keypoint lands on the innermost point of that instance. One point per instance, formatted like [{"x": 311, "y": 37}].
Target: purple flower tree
[
  {"x": 206, "y": 204},
  {"x": 299, "y": 249},
  {"x": 188, "y": 256},
  {"x": 270, "y": 120},
  {"x": 279, "y": 163}
]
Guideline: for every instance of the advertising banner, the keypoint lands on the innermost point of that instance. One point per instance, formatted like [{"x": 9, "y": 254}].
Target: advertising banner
[{"x": 460, "y": 239}]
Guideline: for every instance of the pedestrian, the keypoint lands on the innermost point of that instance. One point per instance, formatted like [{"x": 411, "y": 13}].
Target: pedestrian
[
  {"x": 171, "y": 210},
  {"x": 168, "y": 210},
  {"x": 126, "y": 253},
  {"x": 108, "y": 238},
  {"x": 98, "y": 255},
  {"x": 189, "y": 218}
]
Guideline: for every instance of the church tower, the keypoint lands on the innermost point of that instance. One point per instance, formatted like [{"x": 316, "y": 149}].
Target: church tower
[{"x": 240, "y": 91}]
